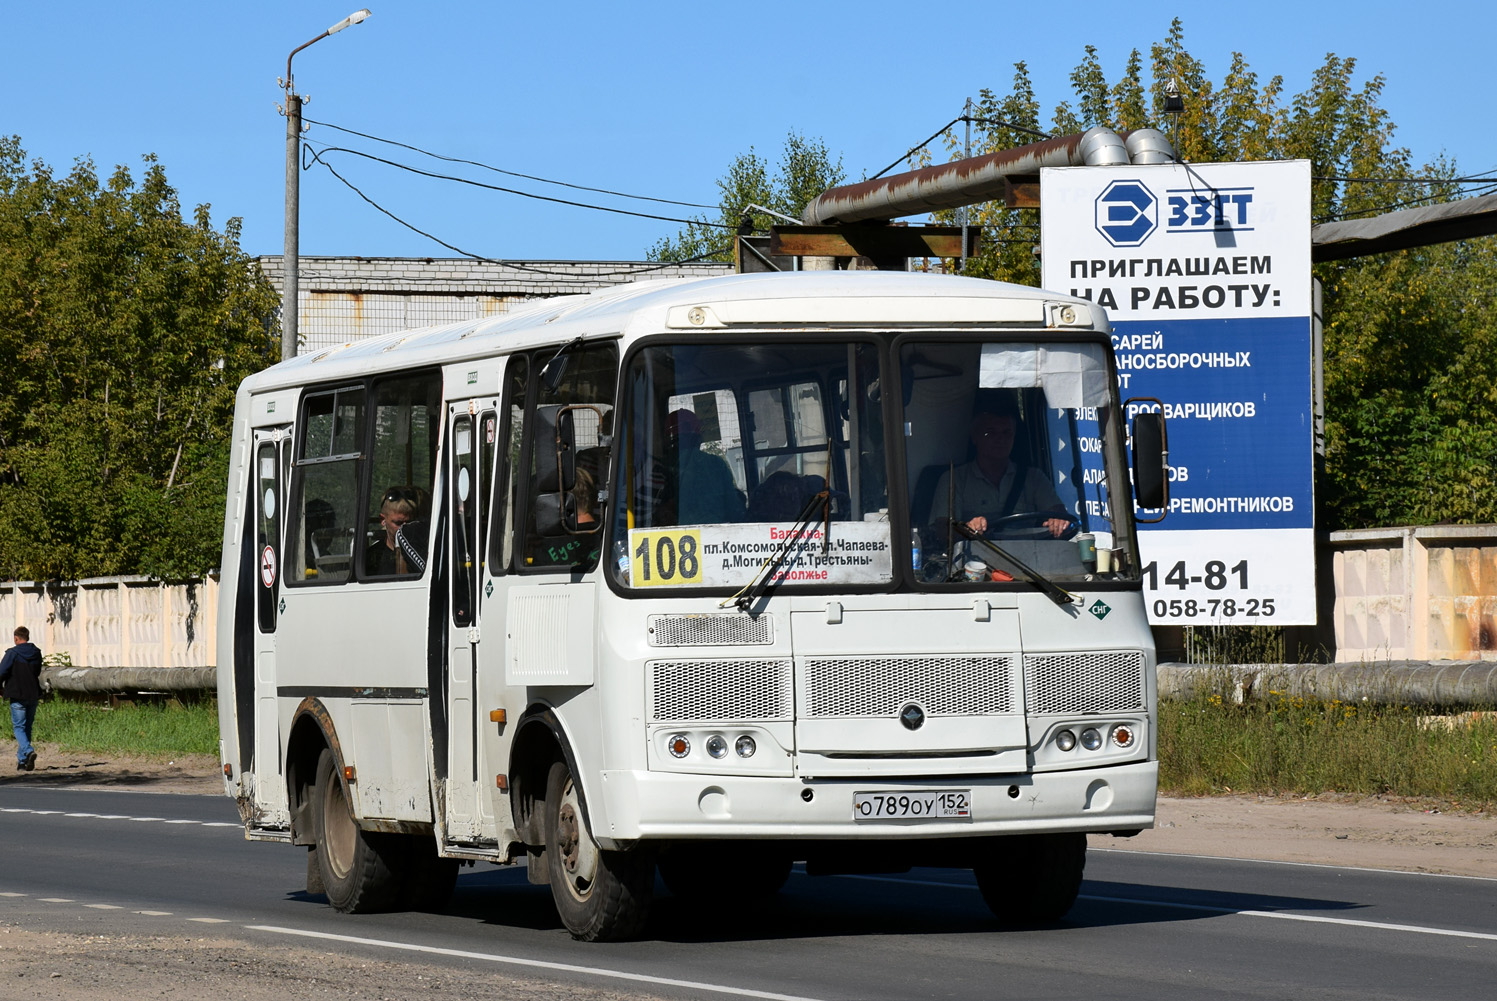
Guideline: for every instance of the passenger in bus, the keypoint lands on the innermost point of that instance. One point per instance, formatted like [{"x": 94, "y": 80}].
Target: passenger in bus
[
  {"x": 403, "y": 513},
  {"x": 993, "y": 485},
  {"x": 584, "y": 500},
  {"x": 704, "y": 488}
]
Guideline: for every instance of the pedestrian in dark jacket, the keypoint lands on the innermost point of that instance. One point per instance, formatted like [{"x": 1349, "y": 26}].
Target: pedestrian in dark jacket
[{"x": 21, "y": 674}]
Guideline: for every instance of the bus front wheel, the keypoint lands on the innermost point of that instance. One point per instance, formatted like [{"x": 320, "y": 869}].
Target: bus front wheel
[
  {"x": 357, "y": 875},
  {"x": 1032, "y": 879},
  {"x": 600, "y": 895}
]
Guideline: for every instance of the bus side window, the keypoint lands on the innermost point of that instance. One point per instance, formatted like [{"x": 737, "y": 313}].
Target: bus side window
[
  {"x": 589, "y": 378},
  {"x": 402, "y": 468},
  {"x": 323, "y": 525},
  {"x": 505, "y": 480}
]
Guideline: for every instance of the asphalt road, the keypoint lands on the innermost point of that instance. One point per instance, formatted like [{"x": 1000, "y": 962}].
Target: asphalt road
[{"x": 1147, "y": 926}]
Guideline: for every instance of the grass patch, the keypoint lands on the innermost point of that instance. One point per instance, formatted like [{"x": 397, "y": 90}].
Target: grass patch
[
  {"x": 136, "y": 728},
  {"x": 1285, "y": 744}
]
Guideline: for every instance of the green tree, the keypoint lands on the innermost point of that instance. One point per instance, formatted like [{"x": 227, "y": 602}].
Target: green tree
[
  {"x": 126, "y": 330},
  {"x": 805, "y": 170}
]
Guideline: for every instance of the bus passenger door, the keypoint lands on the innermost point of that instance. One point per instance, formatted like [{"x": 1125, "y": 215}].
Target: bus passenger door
[
  {"x": 272, "y": 449},
  {"x": 472, "y": 435}
]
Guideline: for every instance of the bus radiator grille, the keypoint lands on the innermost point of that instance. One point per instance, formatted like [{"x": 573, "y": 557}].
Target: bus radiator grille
[
  {"x": 739, "y": 691},
  {"x": 882, "y": 686},
  {"x": 1084, "y": 682},
  {"x": 730, "y": 629}
]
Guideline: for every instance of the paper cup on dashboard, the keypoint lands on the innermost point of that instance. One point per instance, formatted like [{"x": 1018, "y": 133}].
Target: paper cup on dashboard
[
  {"x": 1104, "y": 561},
  {"x": 976, "y": 570}
]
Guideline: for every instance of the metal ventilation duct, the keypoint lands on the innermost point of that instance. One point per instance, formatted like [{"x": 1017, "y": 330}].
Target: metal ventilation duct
[{"x": 980, "y": 178}]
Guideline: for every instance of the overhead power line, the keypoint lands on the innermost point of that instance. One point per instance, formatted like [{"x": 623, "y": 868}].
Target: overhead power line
[
  {"x": 317, "y": 158},
  {"x": 507, "y": 173},
  {"x": 509, "y": 191}
]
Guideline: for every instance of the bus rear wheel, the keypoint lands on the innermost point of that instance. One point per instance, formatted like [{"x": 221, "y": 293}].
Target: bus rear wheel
[
  {"x": 1032, "y": 879},
  {"x": 357, "y": 874},
  {"x": 600, "y": 895}
]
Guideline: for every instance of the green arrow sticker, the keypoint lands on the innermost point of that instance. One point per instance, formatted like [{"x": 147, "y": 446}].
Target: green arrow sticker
[{"x": 1100, "y": 608}]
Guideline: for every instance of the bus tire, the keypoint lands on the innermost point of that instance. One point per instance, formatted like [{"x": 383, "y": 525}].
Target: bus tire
[
  {"x": 601, "y": 896},
  {"x": 357, "y": 874},
  {"x": 739, "y": 873},
  {"x": 1032, "y": 879}
]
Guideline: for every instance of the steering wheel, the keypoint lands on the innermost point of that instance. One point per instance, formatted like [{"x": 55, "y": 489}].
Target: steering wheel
[{"x": 1036, "y": 520}]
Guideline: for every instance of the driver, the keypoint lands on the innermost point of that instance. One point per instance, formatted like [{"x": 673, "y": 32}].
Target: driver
[{"x": 992, "y": 486}]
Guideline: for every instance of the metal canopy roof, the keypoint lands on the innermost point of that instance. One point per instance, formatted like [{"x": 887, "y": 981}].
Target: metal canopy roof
[{"x": 1443, "y": 223}]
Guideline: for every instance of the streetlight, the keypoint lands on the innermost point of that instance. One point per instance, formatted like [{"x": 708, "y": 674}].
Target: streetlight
[{"x": 291, "y": 262}]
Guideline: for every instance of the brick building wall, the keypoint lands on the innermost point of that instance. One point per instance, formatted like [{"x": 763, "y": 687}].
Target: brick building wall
[{"x": 348, "y": 298}]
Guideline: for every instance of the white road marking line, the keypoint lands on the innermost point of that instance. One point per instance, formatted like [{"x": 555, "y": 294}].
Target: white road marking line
[
  {"x": 539, "y": 964},
  {"x": 1303, "y": 865},
  {"x": 9, "y": 893},
  {"x": 156, "y": 914},
  {"x": 105, "y": 907},
  {"x": 55, "y": 900},
  {"x": 1279, "y": 915},
  {"x": 116, "y": 816},
  {"x": 1312, "y": 918},
  {"x": 210, "y": 921}
]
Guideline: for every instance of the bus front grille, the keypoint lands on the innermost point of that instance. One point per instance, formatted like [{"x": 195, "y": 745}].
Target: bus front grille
[
  {"x": 882, "y": 686},
  {"x": 738, "y": 691},
  {"x": 1084, "y": 682},
  {"x": 711, "y": 629}
]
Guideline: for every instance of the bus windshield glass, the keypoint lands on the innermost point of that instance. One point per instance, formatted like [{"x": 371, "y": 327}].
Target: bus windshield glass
[
  {"x": 1011, "y": 447},
  {"x": 732, "y": 455}
]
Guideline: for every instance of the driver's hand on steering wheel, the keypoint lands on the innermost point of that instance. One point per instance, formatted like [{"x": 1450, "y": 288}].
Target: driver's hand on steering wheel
[
  {"x": 1057, "y": 526},
  {"x": 978, "y": 524}
]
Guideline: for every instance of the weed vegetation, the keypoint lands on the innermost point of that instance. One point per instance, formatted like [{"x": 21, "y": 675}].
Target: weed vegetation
[
  {"x": 136, "y": 728},
  {"x": 1288, "y": 744}
]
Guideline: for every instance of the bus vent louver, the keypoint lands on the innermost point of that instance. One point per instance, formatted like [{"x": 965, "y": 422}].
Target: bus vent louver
[
  {"x": 882, "y": 686},
  {"x": 1084, "y": 682},
  {"x": 735, "y": 691},
  {"x": 711, "y": 630}
]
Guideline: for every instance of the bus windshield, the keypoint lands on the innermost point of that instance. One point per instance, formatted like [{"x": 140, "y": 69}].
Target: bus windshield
[
  {"x": 732, "y": 455},
  {"x": 1010, "y": 449}
]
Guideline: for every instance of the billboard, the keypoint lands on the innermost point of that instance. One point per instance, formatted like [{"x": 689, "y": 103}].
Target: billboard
[{"x": 1204, "y": 270}]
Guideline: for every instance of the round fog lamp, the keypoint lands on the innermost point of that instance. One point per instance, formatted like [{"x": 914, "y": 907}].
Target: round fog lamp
[
  {"x": 1122, "y": 736},
  {"x": 716, "y": 746},
  {"x": 679, "y": 745},
  {"x": 1065, "y": 740},
  {"x": 745, "y": 746},
  {"x": 1091, "y": 739}
]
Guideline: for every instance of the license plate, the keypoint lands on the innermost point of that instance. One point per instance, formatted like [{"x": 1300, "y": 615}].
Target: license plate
[{"x": 952, "y": 804}]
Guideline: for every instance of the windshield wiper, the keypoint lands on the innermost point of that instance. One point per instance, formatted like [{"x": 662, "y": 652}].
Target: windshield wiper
[
  {"x": 745, "y": 598},
  {"x": 1053, "y": 591}
]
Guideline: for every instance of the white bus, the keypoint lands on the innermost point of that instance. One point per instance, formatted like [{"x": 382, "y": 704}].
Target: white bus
[{"x": 704, "y": 578}]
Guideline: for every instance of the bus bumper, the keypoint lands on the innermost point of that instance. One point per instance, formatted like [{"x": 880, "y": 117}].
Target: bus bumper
[{"x": 642, "y": 805}]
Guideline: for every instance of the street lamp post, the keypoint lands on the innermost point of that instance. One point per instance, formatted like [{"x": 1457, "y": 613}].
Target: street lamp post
[{"x": 290, "y": 264}]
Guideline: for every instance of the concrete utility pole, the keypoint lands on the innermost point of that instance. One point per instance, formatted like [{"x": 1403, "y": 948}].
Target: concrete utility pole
[{"x": 291, "y": 262}]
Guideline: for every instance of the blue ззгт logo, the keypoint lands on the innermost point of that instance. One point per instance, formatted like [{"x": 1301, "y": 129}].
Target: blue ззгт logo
[{"x": 1127, "y": 212}]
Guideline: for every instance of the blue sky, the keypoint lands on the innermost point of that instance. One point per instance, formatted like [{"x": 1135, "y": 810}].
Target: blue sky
[{"x": 651, "y": 99}]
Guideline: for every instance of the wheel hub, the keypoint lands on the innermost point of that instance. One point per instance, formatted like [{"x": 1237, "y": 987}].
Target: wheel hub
[{"x": 567, "y": 839}]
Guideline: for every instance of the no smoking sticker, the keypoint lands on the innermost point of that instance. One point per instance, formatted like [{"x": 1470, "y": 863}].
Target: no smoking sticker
[{"x": 267, "y": 566}]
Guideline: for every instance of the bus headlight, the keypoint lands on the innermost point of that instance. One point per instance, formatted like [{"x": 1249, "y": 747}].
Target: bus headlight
[
  {"x": 1065, "y": 740},
  {"x": 1091, "y": 739},
  {"x": 716, "y": 746},
  {"x": 745, "y": 746},
  {"x": 679, "y": 745},
  {"x": 1122, "y": 735}
]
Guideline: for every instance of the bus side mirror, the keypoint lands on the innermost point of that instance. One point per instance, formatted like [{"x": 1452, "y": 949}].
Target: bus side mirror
[
  {"x": 555, "y": 449},
  {"x": 1151, "y": 488}
]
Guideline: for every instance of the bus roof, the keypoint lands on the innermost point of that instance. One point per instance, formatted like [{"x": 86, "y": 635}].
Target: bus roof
[{"x": 786, "y": 301}]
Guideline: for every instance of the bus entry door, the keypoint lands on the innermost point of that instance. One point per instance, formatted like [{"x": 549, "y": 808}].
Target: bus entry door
[
  {"x": 472, "y": 436},
  {"x": 272, "y": 449}
]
